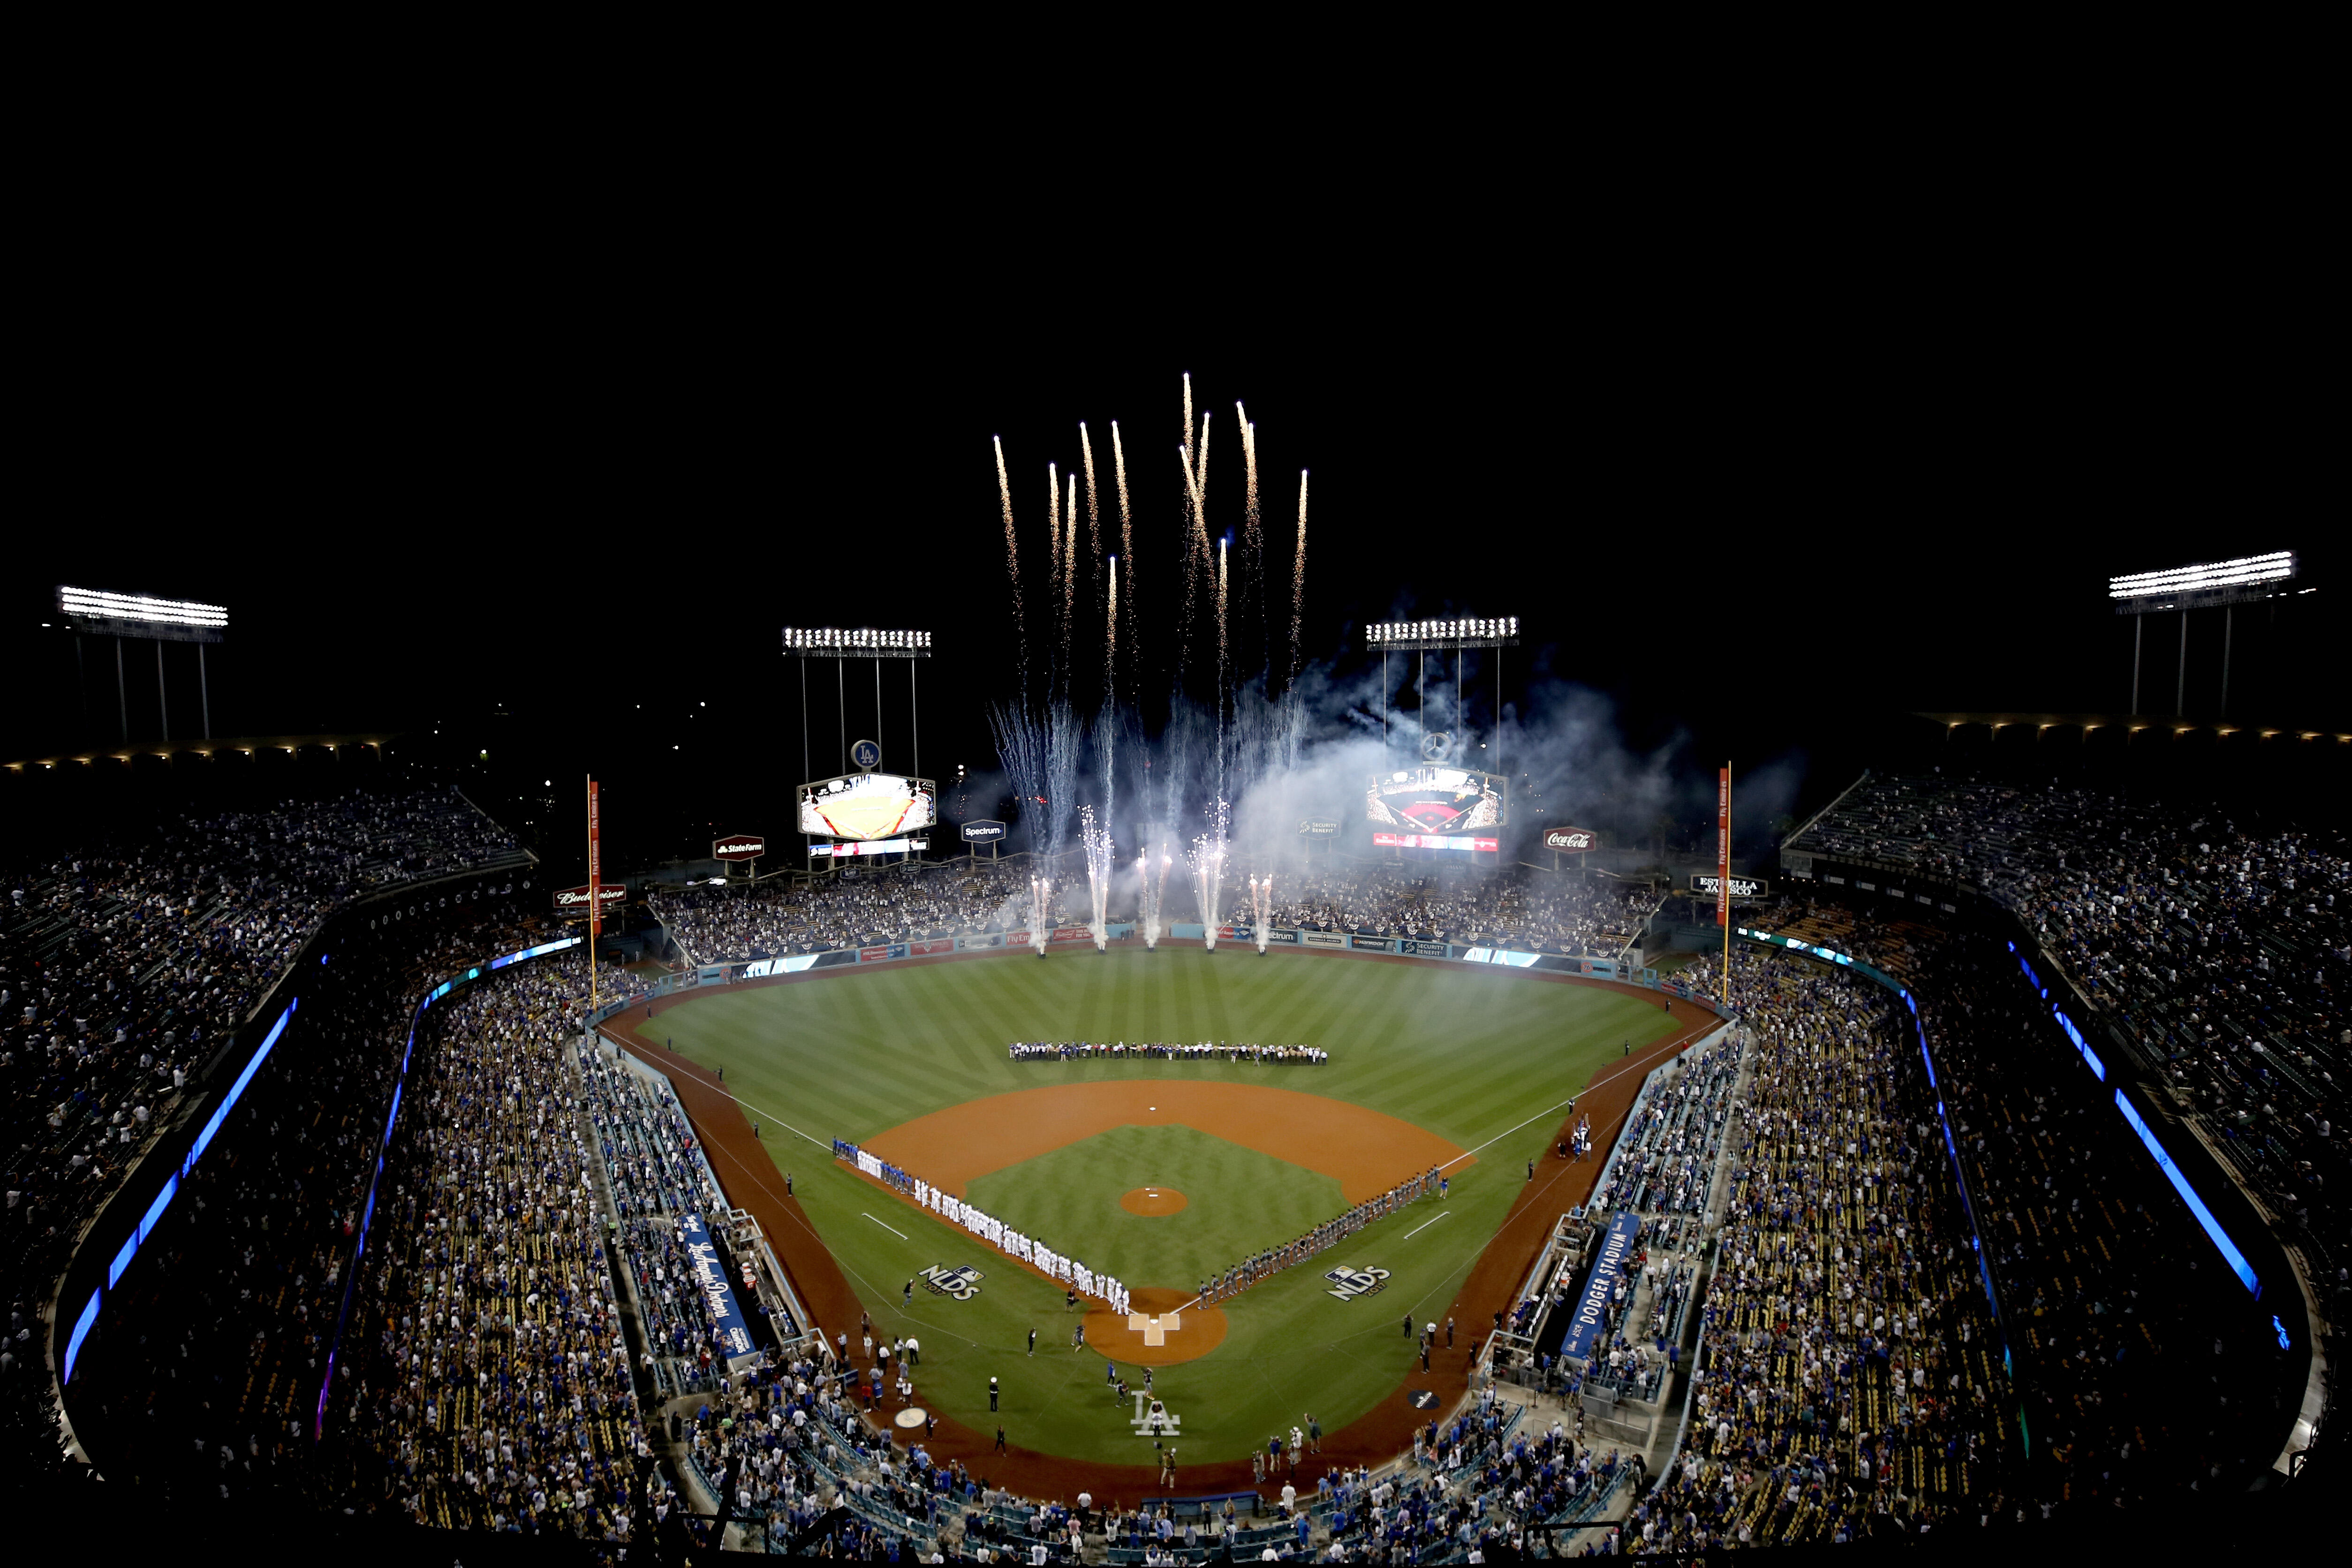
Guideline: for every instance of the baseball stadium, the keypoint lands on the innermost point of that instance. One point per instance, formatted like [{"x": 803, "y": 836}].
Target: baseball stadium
[{"x": 1336, "y": 1077}]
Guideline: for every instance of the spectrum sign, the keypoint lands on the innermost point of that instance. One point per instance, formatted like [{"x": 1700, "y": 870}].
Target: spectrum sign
[{"x": 1434, "y": 841}]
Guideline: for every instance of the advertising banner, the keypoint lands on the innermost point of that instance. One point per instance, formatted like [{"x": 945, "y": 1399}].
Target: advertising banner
[
  {"x": 869, "y": 847},
  {"x": 1318, "y": 827},
  {"x": 936, "y": 944},
  {"x": 574, "y": 900},
  {"x": 734, "y": 1330},
  {"x": 874, "y": 954},
  {"x": 1072, "y": 933},
  {"x": 1420, "y": 949},
  {"x": 739, "y": 846},
  {"x": 1708, "y": 882},
  {"x": 1608, "y": 1269},
  {"x": 988, "y": 939},
  {"x": 1372, "y": 943},
  {"x": 984, "y": 832},
  {"x": 1323, "y": 938},
  {"x": 1570, "y": 840},
  {"x": 1273, "y": 936}
]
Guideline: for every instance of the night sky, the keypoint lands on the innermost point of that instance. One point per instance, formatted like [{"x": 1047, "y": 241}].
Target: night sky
[{"x": 580, "y": 565}]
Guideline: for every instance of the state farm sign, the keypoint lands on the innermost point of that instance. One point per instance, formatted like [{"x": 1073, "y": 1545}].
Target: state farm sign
[
  {"x": 741, "y": 847},
  {"x": 574, "y": 900},
  {"x": 1572, "y": 840}
]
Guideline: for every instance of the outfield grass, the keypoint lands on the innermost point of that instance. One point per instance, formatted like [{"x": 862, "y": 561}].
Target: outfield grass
[{"x": 1478, "y": 1057}]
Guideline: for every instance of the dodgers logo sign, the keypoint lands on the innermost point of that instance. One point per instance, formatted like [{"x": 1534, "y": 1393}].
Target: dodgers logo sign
[
  {"x": 1349, "y": 1283},
  {"x": 962, "y": 1282}
]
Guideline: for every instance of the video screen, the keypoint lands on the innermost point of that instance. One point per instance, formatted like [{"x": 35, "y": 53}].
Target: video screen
[
  {"x": 867, "y": 805},
  {"x": 1434, "y": 798}
]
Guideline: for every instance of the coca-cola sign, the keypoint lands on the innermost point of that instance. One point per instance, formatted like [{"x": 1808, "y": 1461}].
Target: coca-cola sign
[
  {"x": 574, "y": 900},
  {"x": 739, "y": 846},
  {"x": 1571, "y": 840}
]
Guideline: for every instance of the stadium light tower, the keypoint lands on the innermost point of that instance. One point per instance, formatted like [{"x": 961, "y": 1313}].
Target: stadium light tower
[
  {"x": 119, "y": 615},
  {"x": 2224, "y": 584},
  {"x": 1421, "y": 638}
]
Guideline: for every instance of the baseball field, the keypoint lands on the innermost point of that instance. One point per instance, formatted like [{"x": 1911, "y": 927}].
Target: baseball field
[{"x": 1158, "y": 1172}]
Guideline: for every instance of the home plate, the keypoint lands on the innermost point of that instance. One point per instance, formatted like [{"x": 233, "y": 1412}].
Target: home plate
[
  {"x": 1155, "y": 1331},
  {"x": 913, "y": 1415}
]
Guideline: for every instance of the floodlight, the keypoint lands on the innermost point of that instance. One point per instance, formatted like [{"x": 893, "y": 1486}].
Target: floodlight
[
  {"x": 1472, "y": 631},
  {"x": 861, "y": 642},
  {"x": 140, "y": 616},
  {"x": 2209, "y": 583}
]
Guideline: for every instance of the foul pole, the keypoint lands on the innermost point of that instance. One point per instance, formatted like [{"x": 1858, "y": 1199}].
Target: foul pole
[
  {"x": 1723, "y": 870},
  {"x": 595, "y": 895}
]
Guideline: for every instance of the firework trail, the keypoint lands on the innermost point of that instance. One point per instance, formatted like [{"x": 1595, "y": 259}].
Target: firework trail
[
  {"x": 1298, "y": 582},
  {"x": 1012, "y": 558},
  {"x": 1093, "y": 505},
  {"x": 1262, "y": 904},
  {"x": 1098, "y": 871},
  {"x": 1252, "y": 532},
  {"x": 1126, "y": 517},
  {"x": 1107, "y": 731},
  {"x": 1069, "y": 577},
  {"x": 1223, "y": 665},
  {"x": 1041, "y": 895}
]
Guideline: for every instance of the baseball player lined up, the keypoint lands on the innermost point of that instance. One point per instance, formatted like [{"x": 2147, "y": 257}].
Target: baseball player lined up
[{"x": 1329, "y": 1234}]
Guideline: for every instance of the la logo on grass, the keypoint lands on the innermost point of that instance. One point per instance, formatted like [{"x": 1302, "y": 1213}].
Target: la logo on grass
[
  {"x": 963, "y": 1281},
  {"x": 1349, "y": 1283},
  {"x": 1153, "y": 1419}
]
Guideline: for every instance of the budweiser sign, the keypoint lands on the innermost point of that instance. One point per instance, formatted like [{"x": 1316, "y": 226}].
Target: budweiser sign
[
  {"x": 1571, "y": 840},
  {"x": 741, "y": 847},
  {"x": 574, "y": 900}
]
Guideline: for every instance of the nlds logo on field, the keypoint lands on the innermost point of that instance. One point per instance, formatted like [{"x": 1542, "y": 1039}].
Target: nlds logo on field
[
  {"x": 1350, "y": 1283},
  {"x": 963, "y": 1281}
]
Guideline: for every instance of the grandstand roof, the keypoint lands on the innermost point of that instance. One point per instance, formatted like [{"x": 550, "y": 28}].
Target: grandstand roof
[{"x": 2089, "y": 721}]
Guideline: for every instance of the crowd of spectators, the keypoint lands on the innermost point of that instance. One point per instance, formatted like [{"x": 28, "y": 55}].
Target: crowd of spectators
[
  {"x": 1848, "y": 1384},
  {"x": 1516, "y": 907},
  {"x": 489, "y": 1380},
  {"x": 2146, "y": 1369},
  {"x": 124, "y": 966},
  {"x": 2220, "y": 953}
]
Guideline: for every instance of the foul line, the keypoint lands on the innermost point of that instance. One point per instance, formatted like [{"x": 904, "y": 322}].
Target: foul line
[
  {"x": 1672, "y": 1046},
  {"x": 714, "y": 1085},
  {"x": 1424, "y": 1224},
  {"x": 899, "y": 1233}
]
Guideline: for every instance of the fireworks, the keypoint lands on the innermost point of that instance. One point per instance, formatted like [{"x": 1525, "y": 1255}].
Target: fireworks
[
  {"x": 1298, "y": 582},
  {"x": 1151, "y": 891},
  {"x": 1041, "y": 901},
  {"x": 1207, "y": 858},
  {"x": 1262, "y": 904},
  {"x": 1097, "y": 841},
  {"x": 1012, "y": 554}
]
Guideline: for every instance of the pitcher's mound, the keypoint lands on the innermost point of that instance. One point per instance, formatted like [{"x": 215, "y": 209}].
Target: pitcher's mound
[
  {"x": 1153, "y": 1200},
  {"x": 1185, "y": 1333}
]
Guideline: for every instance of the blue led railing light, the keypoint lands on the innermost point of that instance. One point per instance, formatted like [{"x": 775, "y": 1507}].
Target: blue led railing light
[
  {"x": 2221, "y": 1238},
  {"x": 2229, "y": 1252},
  {"x": 131, "y": 1244}
]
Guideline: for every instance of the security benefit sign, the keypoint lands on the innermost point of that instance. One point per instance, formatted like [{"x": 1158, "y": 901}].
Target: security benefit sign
[
  {"x": 962, "y": 1282},
  {"x": 717, "y": 1294},
  {"x": 1608, "y": 1271},
  {"x": 1348, "y": 1283}
]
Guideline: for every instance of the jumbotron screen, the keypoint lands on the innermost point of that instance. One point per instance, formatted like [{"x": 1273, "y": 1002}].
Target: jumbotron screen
[
  {"x": 867, "y": 805},
  {"x": 1434, "y": 798}
]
